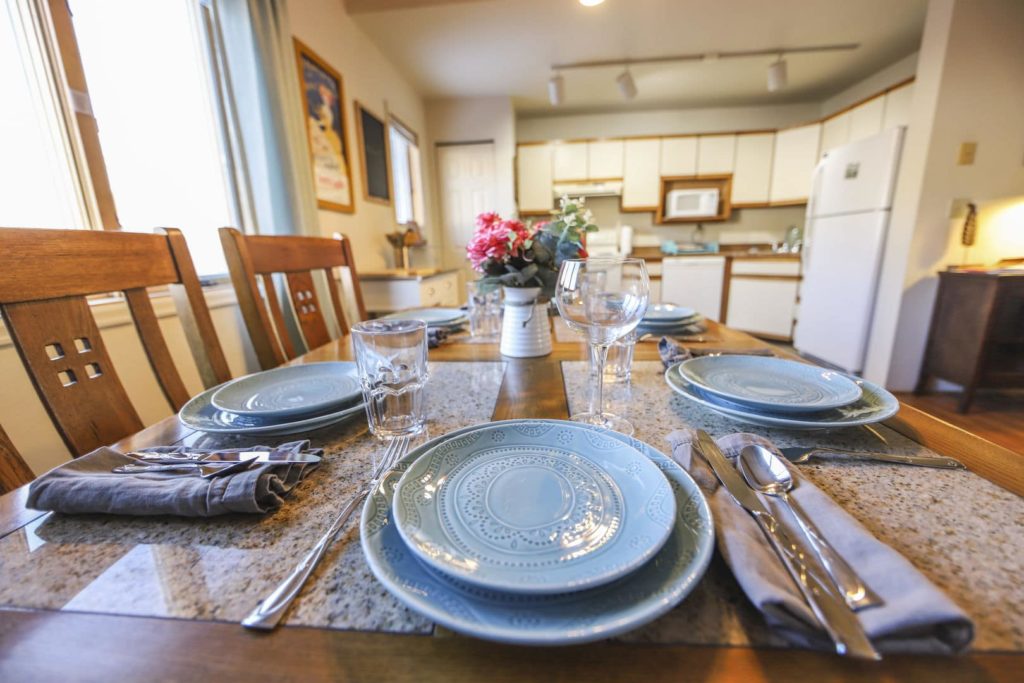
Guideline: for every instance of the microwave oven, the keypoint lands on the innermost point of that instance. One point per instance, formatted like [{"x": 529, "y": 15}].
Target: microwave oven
[{"x": 692, "y": 203}]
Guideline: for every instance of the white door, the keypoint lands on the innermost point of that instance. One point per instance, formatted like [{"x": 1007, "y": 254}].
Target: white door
[
  {"x": 716, "y": 154},
  {"x": 679, "y": 156},
  {"x": 837, "y": 293},
  {"x": 752, "y": 176},
  {"x": 570, "y": 161},
  {"x": 796, "y": 153},
  {"x": 695, "y": 282},
  {"x": 468, "y": 187},
  {"x": 604, "y": 159},
  {"x": 859, "y": 176},
  {"x": 641, "y": 182},
  {"x": 534, "y": 193}
]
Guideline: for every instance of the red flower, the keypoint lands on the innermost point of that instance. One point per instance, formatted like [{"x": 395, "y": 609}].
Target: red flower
[{"x": 583, "y": 253}]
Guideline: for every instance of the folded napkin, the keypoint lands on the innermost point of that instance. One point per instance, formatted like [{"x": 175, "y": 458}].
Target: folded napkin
[
  {"x": 436, "y": 337},
  {"x": 87, "y": 485},
  {"x": 672, "y": 352},
  {"x": 916, "y": 618}
]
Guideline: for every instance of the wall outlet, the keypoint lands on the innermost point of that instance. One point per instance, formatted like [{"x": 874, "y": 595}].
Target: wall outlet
[
  {"x": 958, "y": 208},
  {"x": 966, "y": 155}
]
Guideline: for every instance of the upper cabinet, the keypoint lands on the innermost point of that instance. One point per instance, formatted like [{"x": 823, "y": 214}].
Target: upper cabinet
[
  {"x": 570, "y": 161},
  {"x": 796, "y": 154},
  {"x": 835, "y": 132},
  {"x": 679, "y": 156},
  {"x": 534, "y": 178},
  {"x": 897, "y": 106},
  {"x": 716, "y": 154},
  {"x": 866, "y": 119},
  {"x": 641, "y": 175},
  {"x": 604, "y": 159},
  {"x": 752, "y": 172}
]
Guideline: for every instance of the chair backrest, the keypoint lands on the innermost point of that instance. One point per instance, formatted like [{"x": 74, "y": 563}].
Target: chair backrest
[
  {"x": 45, "y": 277},
  {"x": 14, "y": 471},
  {"x": 297, "y": 258}
]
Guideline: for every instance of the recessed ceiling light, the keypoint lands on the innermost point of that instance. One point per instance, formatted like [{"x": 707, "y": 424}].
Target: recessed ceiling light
[{"x": 591, "y": 3}]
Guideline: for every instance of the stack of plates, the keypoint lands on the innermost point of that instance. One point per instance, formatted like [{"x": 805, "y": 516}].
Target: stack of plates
[
  {"x": 773, "y": 392},
  {"x": 668, "y": 319},
  {"x": 287, "y": 400},
  {"x": 448, "y": 319},
  {"x": 538, "y": 532}
]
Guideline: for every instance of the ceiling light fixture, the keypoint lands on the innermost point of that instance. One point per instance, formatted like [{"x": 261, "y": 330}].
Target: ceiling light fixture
[
  {"x": 777, "y": 76},
  {"x": 627, "y": 86},
  {"x": 591, "y": 3},
  {"x": 556, "y": 90}
]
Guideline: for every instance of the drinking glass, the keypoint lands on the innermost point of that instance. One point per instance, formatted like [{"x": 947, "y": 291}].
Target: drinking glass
[
  {"x": 604, "y": 298},
  {"x": 391, "y": 356},
  {"x": 484, "y": 309},
  {"x": 618, "y": 365}
]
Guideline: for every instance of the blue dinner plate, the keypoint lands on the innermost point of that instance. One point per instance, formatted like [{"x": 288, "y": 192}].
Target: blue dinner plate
[
  {"x": 875, "y": 404},
  {"x": 536, "y": 508},
  {"x": 293, "y": 390},
  {"x": 667, "y": 313},
  {"x": 534, "y": 619}
]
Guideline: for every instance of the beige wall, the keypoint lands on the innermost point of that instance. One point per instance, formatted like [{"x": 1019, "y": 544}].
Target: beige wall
[
  {"x": 369, "y": 77},
  {"x": 872, "y": 85},
  {"x": 969, "y": 87}
]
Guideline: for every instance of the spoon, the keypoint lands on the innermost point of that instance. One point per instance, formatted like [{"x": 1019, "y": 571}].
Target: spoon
[{"x": 767, "y": 473}]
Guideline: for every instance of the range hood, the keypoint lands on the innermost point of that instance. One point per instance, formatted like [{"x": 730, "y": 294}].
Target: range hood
[{"x": 590, "y": 188}]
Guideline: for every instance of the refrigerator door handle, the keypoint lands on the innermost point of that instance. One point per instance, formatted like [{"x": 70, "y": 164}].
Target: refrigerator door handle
[{"x": 819, "y": 170}]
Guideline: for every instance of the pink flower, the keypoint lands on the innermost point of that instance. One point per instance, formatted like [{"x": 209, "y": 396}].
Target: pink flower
[
  {"x": 487, "y": 219},
  {"x": 497, "y": 240}
]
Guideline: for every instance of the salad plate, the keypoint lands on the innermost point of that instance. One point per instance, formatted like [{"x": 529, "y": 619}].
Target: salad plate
[
  {"x": 875, "y": 405},
  {"x": 534, "y": 508},
  {"x": 200, "y": 413},
  {"x": 668, "y": 313},
  {"x": 434, "y": 317},
  {"x": 291, "y": 390},
  {"x": 771, "y": 384},
  {"x": 552, "y": 619}
]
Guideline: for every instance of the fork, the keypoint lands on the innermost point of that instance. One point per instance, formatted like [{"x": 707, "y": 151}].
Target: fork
[{"x": 270, "y": 610}]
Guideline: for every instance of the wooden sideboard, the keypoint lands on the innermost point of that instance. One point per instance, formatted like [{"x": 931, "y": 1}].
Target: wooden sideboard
[{"x": 977, "y": 332}]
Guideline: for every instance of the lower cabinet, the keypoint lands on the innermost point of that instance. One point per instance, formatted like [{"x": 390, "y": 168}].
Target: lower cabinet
[
  {"x": 389, "y": 293},
  {"x": 763, "y": 297},
  {"x": 694, "y": 281}
]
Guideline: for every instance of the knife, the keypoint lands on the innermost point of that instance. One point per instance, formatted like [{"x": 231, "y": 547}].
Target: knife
[
  {"x": 837, "y": 619},
  {"x": 217, "y": 457}
]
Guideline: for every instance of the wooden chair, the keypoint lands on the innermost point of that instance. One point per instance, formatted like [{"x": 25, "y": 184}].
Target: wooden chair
[
  {"x": 297, "y": 258},
  {"x": 14, "y": 471},
  {"x": 45, "y": 276}
]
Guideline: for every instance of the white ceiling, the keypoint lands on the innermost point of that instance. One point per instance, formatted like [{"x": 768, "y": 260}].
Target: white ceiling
[{"x": 473, "y": 48}]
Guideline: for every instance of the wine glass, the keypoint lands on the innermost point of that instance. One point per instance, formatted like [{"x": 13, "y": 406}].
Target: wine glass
[{"x": 604, "y": 298}]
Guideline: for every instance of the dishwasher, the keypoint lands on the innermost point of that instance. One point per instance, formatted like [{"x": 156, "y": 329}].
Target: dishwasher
[{"x": 695, "y": 282}]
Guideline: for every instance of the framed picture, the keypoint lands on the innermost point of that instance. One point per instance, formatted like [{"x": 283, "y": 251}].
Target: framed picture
[
  {"x": 323, "y": 103},
  {"x": 373, "y": 155}
]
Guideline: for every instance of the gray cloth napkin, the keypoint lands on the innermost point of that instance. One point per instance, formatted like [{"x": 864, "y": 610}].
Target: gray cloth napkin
[
  {"x": 917, "y": 617},
  {"x": 672, "y": 352},
  {"x": 436, "y": 337},
  {"x": 87, "y": 485}
]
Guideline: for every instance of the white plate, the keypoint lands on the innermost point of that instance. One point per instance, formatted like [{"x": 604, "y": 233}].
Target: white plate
[
  {"x": 434, "y": 317},
  {"x": 290, "y": 391},
  {"x": 578, "y": 617},
  {"x": 770, "y": 384},
  {"x": 875, "y": 405},
  {"x": 537, "y": 508},
  {"x": 667, "y": 313},
  {"x": 199, "y": 413}
]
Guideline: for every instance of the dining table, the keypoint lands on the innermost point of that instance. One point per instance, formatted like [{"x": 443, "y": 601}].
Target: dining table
[{"x": 107, "y": 598}]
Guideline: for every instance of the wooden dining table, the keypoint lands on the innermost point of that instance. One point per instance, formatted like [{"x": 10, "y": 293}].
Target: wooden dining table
[{"x": 117, "y": 599}]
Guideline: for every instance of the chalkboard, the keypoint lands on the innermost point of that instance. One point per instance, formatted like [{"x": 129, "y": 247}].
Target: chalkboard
[{"x": 373, "y": 144}]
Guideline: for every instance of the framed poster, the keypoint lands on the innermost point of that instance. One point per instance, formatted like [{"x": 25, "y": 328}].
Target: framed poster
[
  {"x": 323, "y": 99},
  {"x": 373, "y": 155}
]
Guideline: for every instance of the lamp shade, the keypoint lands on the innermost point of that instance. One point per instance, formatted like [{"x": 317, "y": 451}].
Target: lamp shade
[{"x": 777, "y": 76}]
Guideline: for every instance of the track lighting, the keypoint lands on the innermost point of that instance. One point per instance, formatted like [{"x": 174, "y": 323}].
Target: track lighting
[
  {"x": 556, "y": 90},
  {"x": 627, "y": 86},
  {"x": 777, "y": 76}
]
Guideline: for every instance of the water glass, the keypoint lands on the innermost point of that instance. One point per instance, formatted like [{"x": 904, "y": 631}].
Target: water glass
[
  {"x": 618, "y": 366},
  {"x": 484, "y": 309},
  {"x": 391, "y": 356}
]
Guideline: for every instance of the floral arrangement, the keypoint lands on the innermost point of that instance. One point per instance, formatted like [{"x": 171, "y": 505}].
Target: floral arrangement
[{"x": 515, "y": 254}]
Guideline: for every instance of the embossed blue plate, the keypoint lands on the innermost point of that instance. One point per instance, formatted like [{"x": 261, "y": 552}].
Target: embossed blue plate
[
  {"x": 559, "y": 619},
  {"x": 537, "y": 508},
  {"x": 772, "y": 384},
  {"x": 291, "y": 390}
]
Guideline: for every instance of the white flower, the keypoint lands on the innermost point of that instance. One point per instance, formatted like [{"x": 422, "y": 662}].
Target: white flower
[{"x": 588, "y": 216}]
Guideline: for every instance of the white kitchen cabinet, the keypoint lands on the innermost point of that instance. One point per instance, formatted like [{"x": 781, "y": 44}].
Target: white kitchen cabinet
[
  {"x": 390, "y": 291},
  {"x": 716, "y": 154},
  {"x": 570, "y": 161},
  {"x": 762, "y": 306},
  {"x": 866, "y": 119},
  {"x": 604, "y": 159},
  {"x": 835, "y": 132},
  {"x": 641, "y": 180},
  {"x": 694, "y": 281},
  {"x": 897, "y": 107},
  {"x": 752, "y": 175},
  {"x": 679, "y": 156},
  {"x": 796, "y": 154},
  {"x": 534, "y": 178}
]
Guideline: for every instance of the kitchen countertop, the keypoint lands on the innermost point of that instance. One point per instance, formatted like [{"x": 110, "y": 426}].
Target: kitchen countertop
[{"x": 655, "y": 254}]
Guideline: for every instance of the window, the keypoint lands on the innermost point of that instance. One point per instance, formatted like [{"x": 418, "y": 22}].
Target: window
[
  {"x": 147, "y": 67},
  {"x": 405, "y": 173},
  {"x": 40, "y": 185}
]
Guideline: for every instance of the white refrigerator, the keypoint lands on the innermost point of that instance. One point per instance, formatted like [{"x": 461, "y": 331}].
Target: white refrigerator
[{"x": 844, "y": 239}]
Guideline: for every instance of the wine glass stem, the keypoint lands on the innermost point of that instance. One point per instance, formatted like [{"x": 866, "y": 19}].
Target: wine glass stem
[{"x": 599, "y": 353}]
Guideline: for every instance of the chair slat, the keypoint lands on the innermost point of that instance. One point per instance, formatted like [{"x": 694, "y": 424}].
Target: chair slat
[
  {"x": 14, "y": 471},
  {"x": 339, "y": 312},
  {"x": 306, "y": 305},
  {"x": 257, "y": 321},
  {"x": 153, "y": 341},
  {"x": 61, "y": 346},
  {"x": 270, "y": 290}
]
